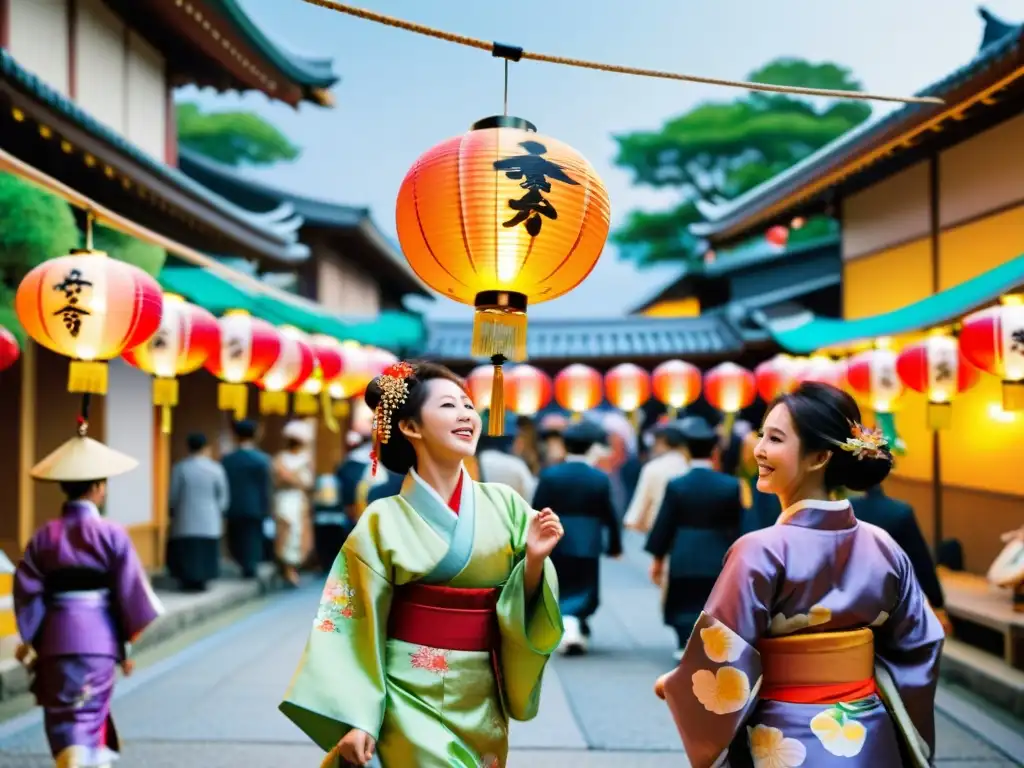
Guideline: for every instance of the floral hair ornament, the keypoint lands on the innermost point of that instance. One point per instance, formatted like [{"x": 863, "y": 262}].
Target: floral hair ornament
[
  {"x": 394, "y": 389},
  {"x": 865, "y": 442}
]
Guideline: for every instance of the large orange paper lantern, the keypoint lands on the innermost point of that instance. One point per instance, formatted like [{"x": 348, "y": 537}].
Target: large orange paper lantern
[
  {"x": 775, "y": 377},
  {"x": 479, "y": 383},
  {"x": 676, "y": 384},
  {"x": 186, "y": 338},
  {"x": 527, "y": 390},
  {"x": 293, "y": 366},
  {"x": 500, "y": 218},
  {"x": 10, "y": 351},
  {"x": 90, "y": 308},
  {"x": 937, "y": 368},
  {"x": 627, "y": 386},
  {"x": 993, "y": 339},
  {"x": 578, "y": 388},
  {"x": 248, "y": 347},
  {"x": 730, "y": 389},
  {"x": 872, "y": 377}
]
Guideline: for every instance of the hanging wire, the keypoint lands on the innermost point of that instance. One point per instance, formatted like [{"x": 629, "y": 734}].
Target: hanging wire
[
  {"x": 506, "y": 88},
  {"x": 89, "y": 220},
  {"x": 484, "y": 45}
]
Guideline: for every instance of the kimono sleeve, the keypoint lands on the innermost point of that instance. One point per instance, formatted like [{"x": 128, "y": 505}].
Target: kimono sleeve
[
  {"x": 29, "y": 605},
  {"x": 137, "y": 603},
  {"x": 908, "y": 645},
  {"x": 340, "y": 682},
  {"x": 715, "y": 686},
  {"x": 530, "y": 631}
]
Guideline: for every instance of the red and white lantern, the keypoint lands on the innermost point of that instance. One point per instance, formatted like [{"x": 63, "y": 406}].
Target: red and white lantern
[
  {"x": 676, "y": 384},
  {"x": 993, "y": 340},
  {"x": 822, "y": 370},
  {"x": 293, "y": 366},
  {"x": 527, "y": 390},
  {"x": 578, "y": 388},
  {"x": 378, "y": 360},
  {"x": 10, "y": 351},
  {"x": 777, "y": 236},
  {"x": 873, "y": 378},
  {"x": 355, "y": 372},
  {"x": 775, "y": 377},
  {"x": 729, "y": 387},
  {"x": 248, "y": 348},
  {"x": 479, "y": 382},
  {"x": 937, "y": 368},
  {"x": 327, "y": 366},
  {"x": 627, "y": 387}
]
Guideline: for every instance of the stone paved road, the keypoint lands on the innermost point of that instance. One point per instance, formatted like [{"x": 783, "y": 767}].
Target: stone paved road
[{"x": 213, "y": 703}]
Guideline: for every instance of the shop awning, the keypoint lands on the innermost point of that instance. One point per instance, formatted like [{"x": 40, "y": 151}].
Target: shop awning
[
  {"x": 390, "y": 330},
  {"x": 938, "y": 309}
]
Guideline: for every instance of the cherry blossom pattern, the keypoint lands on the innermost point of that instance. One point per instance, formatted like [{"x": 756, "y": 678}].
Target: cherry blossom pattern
[
  {"x": 818, "y": 614},
  {"x": 771, "y": 748},
  {"x": 721, "y": 644},
  {"x": 721, "y": 692},
  {"x": 337, "y": 605},
  {"x": 431, "y": 659},
  {"x": 839, "y": 731}
]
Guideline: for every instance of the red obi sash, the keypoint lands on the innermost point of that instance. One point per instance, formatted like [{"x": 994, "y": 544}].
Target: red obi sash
[
  {"x": 449, "y": 618},
  {"x": 822, "y": 668}
]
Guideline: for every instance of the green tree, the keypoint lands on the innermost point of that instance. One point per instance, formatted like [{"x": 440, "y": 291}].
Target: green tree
[
  {"x": 147, "y": 257},
  {"x": 720, "y": 150},
  {"x": 232, "y": 138}
]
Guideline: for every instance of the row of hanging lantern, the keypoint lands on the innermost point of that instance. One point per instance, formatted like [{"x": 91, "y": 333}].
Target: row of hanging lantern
[{"x": 92, "y": 309}]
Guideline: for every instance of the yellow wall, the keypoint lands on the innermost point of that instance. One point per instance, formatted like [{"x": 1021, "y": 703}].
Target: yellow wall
[
  {"x": 688, "y": 307},
  {"x": 975, "y": 248}
]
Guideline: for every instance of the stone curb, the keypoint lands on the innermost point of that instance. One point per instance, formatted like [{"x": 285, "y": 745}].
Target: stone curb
[{"x": 984, "y": 675}]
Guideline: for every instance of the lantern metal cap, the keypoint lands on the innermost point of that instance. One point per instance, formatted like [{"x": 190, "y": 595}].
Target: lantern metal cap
[
  {"x": 504, "y": 121},
  {"x": 87, "y": 252},
  {"x": 509, "y": 301}
]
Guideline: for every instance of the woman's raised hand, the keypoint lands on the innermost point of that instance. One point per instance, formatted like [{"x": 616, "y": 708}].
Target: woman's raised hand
[
  {"x": 355, "y": 747},
  {"x": 544, "y": 533}
]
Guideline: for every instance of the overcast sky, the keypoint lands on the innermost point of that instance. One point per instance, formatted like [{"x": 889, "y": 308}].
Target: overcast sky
[{"x": 401, "y": 93}]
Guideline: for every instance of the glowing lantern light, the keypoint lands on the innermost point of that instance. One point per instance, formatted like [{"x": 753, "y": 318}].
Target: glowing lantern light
[
  {"x": 872, "y": 376},
  {"x": 511, "y": 218},
  {"x": 293, "y": 366},
  {"x": 993, "y": 339},
  {"x": 10, "y": 351},
  {"x": 627, "y": 387},
  {"x": 188, "y": 335},
  {"x": 777, "y": 236},
  {"x": 823, "y": 370},
  {"x": 479, "y": 383},
  {"x": 327, "y": 366},
  {"x": 676, "y": 384},
  {"x": 355, "y": 372},
  {"x": 527, "y": 390},
  {"x": 90, "y": 308},
  {"x": 248, "y": 348},
  {"x": 937, "y": 368},
  {"x": 730, "y": 389},
  {"x": 775, "y": 377},
  {"x": 578, "y": 388}
]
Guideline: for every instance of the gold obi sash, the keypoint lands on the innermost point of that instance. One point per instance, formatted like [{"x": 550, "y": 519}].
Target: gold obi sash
[{"x": 821, "y": 668}]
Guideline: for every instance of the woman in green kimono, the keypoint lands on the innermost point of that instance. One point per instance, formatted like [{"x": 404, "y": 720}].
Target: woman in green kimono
[{"x": 441, "y": 609}]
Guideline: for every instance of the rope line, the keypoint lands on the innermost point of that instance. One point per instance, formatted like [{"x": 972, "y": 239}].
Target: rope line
[{"x": 501, "y": 50}]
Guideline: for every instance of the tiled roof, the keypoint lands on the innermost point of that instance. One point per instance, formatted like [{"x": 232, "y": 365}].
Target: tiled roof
[{"x": 627, "y": 338}]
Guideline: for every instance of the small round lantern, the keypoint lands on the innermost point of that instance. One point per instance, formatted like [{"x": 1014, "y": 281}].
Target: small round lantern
[
  {"x": 327, "y": 366},
  {"x": 528, "y": 389},
  {"x": 90, "y": 308},
  {"x": 627, "y": 387},
  {"x": 479, "y": 383},
  {"x": 872, "y": 376},
  {"x": 188, "y": 335},
  {"x": 293, "y": 366},
  {"x": 10, "y": 351},
  {"x": 730, "y": 389},
  {"x": 823, "y": 370},
  {"x": 248, "y": 348},
  {"x": 775, "y": 377},
  {"x": 777, "y": 236},
  {"x": 676, "y": 384},
  {"x": 500, "y": 218},
  {"x": 993, "y": 340},
  {"x": 578, "y": 388},
  {"x": 937, "y": 368},
  {"x": 355, "y": 372},
  {"x": 377, "y": 361}
]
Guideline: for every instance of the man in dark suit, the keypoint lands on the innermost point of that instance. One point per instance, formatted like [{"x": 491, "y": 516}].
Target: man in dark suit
[
  {"x": 897, "y": 518},
  {"x": 698, "y": 521},
  {"x": 582, "y": 494},
  {"x": 250, "y": 489}
]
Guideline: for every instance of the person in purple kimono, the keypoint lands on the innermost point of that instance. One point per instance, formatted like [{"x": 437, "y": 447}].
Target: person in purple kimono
[
  {"x": 81, "y": 597},
  {"x": 817, "y": 646}
]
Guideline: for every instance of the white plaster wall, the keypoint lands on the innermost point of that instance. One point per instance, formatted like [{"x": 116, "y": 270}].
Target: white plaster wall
[
  {"x": 146, "y": 121},
  {"x": 39, "y": 39},
  {"x": 129, "y": 429},
  {"x": 100, "y": 64}
]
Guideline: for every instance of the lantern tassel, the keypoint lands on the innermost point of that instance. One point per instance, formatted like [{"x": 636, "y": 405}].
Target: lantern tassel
[
  {"x": 233, "y": 397},
  {"x": 306, "y": 404},
  {"x": 727, "y": 425},
  {"x": 165, "y": 419},
  {"x": 636, "y": 418},
  {"x": 499, "y": 325},
  {"x": 326, "y": 407},
  {"x": 274, "y": 403},
  {"x": 496, "y": 419},
  {"x": 340, "y": 409},
  {"x": 887, "y": 423},
  {"x": 576, "y": 417},
  {"x": 165, "y": 391},
  {"x": 940, "y": 415},
  {"x": 1013, "y": 395},
  {"x": 87, "y": 377},
  {"x": 673, "y": 413}
]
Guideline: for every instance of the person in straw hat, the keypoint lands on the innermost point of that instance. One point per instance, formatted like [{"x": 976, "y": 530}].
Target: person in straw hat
[{"x": 81, "y": 598}]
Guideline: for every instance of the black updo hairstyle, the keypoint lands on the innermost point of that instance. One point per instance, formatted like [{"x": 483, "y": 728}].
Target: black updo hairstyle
[
  {"x": 823, "y": 416},
  {"x": 397, "y": 454}
]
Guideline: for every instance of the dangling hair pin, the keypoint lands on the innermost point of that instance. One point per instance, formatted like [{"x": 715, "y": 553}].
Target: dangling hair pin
[
  {"x": 865, "y": 443},
  {"x": 394, "y": 389}
]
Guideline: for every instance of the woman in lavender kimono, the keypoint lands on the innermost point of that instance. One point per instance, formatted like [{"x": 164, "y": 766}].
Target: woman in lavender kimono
[
  {"x": 817, "y": 646},
  {"x": 441, "y": 609},
  {"x": 81, "y": 598}
]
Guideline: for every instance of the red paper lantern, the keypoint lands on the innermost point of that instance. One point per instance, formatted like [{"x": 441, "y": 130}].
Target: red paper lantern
[
  {"x": 937, "y": 368},
  {"x": 993, "y": 339},
  {"x": 293, "y": 366},
  {"x": 775, "y": 377},
  {"x": 777, "y": 236},
  {"x": 9, "y": 349},
  {"x": 729, "y": 388},
  {"x": 355, "y": 372},
  {"x": 873, "y": 378},
  {"x": 188, "y": 335},
  {"x": 248, "y": 348},
  {"x": 90, "y": 308},
  {"x": 578, "y": 388},
  {"x": 327, "y": 366},
  {"x": 479, "y": 382},
  {"x": 823, "y": 370},
  {"x": 627, "y": 386},
  {"x": 527, "y": 390},
  {"x": 676, "y": 384}
]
